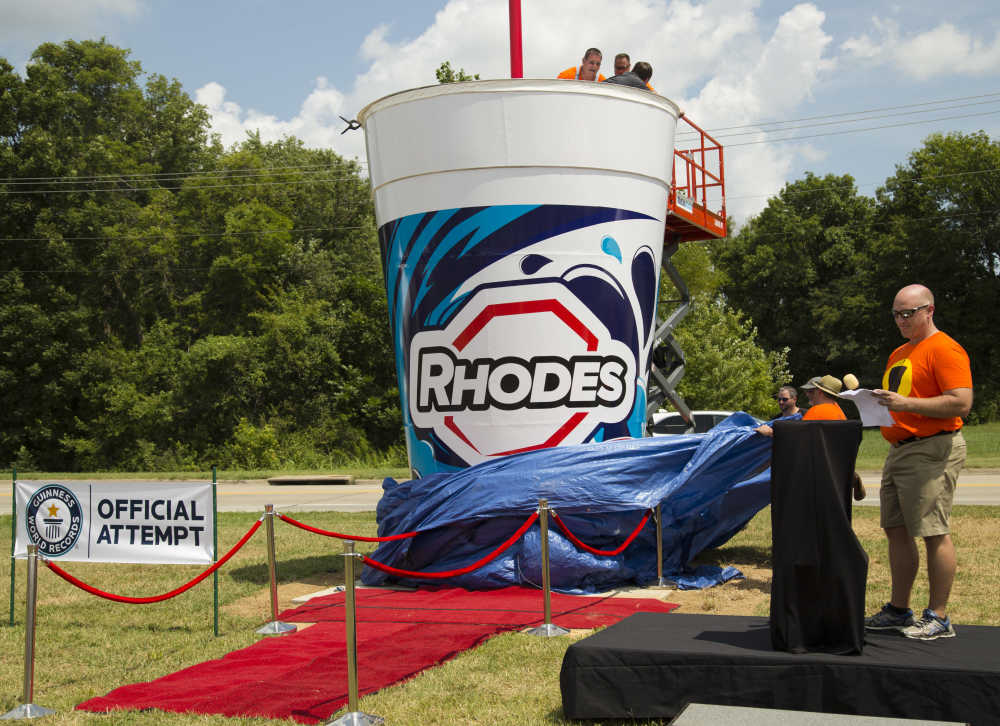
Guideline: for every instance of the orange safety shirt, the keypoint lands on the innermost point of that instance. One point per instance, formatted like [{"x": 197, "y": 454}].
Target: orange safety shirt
[
  {"x": 924, "y": 370},
  {"x": 572, "y": 74},
  {"x": 824, "y": 412}
]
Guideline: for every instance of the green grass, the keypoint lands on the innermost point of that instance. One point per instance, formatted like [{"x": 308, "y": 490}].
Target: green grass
[
  {"x": 87, "y": 646},
  {"x": 983, "y": 443}
]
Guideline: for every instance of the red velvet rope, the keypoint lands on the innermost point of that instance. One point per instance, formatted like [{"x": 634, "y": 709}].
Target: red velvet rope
[
  {"x": 153, "y": 598},
  {"x": 328, "y": 533},
  {"x": 604, "y": 553},
  {"x": 453, "y": 573}
]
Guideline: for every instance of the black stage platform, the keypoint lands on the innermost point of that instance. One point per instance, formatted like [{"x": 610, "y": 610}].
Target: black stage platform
[{"x": 651, "y": 664}]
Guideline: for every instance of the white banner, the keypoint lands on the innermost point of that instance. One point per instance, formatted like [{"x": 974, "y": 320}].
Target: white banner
[{"x": 142, "y": 522}]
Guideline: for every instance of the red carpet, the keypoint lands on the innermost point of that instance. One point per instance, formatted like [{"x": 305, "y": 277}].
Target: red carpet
[{"x": 303, "y": 676}]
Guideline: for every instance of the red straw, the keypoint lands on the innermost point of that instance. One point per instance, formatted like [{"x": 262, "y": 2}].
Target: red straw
[{"x": 516, "y": 64}]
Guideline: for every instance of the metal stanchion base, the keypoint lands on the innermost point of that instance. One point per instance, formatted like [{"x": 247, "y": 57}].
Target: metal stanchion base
[
  {"x": 28, "y": 710},
  {"x": 547, "y": 630},
  {"x": 357, "y": 718},
  {"x": 661, "y": 583},
  {"x": 276, "y": 627}
]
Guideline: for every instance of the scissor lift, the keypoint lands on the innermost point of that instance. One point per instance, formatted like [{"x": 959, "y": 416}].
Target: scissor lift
[{"x": 696, "y": 210}]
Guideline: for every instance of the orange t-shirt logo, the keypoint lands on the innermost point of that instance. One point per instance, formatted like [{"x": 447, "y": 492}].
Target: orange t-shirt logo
[{"x": 899, "y": 378}]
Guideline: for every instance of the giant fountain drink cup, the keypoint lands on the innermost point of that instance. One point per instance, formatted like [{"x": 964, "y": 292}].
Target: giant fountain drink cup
[{"x": 521, "y": 227}]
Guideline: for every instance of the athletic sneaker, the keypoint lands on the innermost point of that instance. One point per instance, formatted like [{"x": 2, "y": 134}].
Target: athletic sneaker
[
  {"x": 888, "y": 618},
  {"x": 930, "y": 627}
]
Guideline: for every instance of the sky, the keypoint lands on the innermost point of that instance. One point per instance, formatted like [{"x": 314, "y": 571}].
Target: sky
[{"x": 749, "y": 71}]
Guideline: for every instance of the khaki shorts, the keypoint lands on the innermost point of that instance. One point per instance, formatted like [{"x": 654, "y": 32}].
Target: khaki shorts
[{"x": 918, "y": 484}]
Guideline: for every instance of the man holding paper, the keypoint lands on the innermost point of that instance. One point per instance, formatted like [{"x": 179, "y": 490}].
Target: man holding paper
[{"x": 927, "y": 387}]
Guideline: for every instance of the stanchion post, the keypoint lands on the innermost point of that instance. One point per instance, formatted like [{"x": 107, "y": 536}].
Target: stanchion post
[
  {"x": 27, "y": 709},
  {"x": 13, "y": 535},
  {"x": 275, "y": 627},
  {"x": 661, "y": 583},
  {"x": 215, "y": 550},
  {"x": 546, "y": 629},
  {"x": 353, "y": 717}
]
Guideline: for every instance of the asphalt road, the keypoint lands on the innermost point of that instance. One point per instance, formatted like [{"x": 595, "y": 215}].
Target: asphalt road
[{"x": 975, "y": 486}]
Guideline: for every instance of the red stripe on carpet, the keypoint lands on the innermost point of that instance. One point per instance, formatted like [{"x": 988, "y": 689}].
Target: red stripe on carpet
[{"x": 303, "y": 676}]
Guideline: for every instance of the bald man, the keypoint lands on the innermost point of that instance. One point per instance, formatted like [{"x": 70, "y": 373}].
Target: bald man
[{"x": 927, "y": 387}]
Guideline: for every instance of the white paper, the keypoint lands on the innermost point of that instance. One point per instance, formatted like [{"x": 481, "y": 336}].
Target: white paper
[{"x": 872, "y": 412}]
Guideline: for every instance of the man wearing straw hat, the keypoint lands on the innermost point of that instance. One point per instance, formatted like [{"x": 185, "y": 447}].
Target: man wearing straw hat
[
  {"x": 587, "y": 70},
  {"x": 927, "y": 387},
  {"x": 822, "y": 392}
]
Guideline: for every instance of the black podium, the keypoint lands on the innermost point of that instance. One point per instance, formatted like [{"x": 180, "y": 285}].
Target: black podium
[{"x": 819, "y": 567}]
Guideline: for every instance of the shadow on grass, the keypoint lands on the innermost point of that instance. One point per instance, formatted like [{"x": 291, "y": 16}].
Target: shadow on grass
[
  {"x": 311, "y": 570},
  {"x": 751, "y": 554}
]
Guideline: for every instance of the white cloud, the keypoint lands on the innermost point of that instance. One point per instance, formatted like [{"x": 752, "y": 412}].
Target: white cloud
[
  {"x": 317, "y": 123},
  {"x": 942, "y": 51},
  {"x": 716, "y": 58},
  {"x": 40, "y": 19},
  {"x": 786, "y": 69}
]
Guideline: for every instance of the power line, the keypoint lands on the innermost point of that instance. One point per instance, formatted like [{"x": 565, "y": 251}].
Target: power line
[
  {"x": 847, "y": 121},
  {"x": 854, "y": 131},
  {"x": 184, "y": 174},
  {"x": 841, "y": 184},
  {"x": 176, "y": 188},
  {"x": 104, "y": 238},
  {"x": 849, "y": 113}
]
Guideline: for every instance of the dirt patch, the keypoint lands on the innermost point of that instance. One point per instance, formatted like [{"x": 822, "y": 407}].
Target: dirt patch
[
  {"x": 258, "y": 605},
  {"x": 750, "y": 595}
]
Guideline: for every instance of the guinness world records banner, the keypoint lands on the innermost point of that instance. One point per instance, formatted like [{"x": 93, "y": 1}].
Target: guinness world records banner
[{"x": 126, "y": 522}]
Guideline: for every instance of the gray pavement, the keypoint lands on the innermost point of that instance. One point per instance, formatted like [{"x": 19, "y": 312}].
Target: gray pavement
[{"x": 975, "y": 486}]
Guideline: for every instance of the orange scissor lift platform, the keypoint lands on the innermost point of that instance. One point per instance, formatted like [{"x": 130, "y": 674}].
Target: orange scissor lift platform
[
  {"x": 696, "y": 203},
  {"x": 696, "y": 210}
]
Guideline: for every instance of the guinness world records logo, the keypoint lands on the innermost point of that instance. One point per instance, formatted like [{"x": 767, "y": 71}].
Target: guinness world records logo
[{"x": 54, "y": 520}]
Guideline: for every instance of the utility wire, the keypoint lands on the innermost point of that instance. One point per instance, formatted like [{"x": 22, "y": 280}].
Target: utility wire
[
  {"x": 845, "y": 121},
  {"x": 756, "y": 124},
  {"x": 175, "y": 269},
  {"x": 854, "y": 131},
  {"x": 847, "y": 184},
  {"x": 178, "y": 235},
  {"x": 718, "y": 131}
]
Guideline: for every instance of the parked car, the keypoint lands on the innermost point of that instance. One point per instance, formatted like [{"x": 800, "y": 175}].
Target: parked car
[{"x": 670, "y": 422}]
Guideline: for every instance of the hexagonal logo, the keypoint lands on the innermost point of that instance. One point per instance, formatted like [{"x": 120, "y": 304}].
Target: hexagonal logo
[{"x": 559, "y": 375}]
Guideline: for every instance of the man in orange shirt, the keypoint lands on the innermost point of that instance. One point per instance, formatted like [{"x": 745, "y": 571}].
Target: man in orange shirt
[
  {"x": 927, "y": 386},
  {"x": 822, "y": 393},
  {"x": 587, "y": 71}
]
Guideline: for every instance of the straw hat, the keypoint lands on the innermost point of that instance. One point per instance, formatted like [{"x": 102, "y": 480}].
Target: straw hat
[{"x": 828, "y": 384}]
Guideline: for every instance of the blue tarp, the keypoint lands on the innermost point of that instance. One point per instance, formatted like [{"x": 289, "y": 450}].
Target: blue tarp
[{"x": 709, "y": 485}]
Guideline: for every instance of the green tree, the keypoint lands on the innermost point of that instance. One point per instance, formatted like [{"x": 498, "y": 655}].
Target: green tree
[
  {"x": 445, "y": 74},
  {"x": 726, "y": 368},
  {"x": 725, "y": 365},
  {"x": 940, "y": 226},
  {"x": 81, "y": 145},
  {"x": 802, "y": 270},
  {"x": 165, "y": 301}
]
